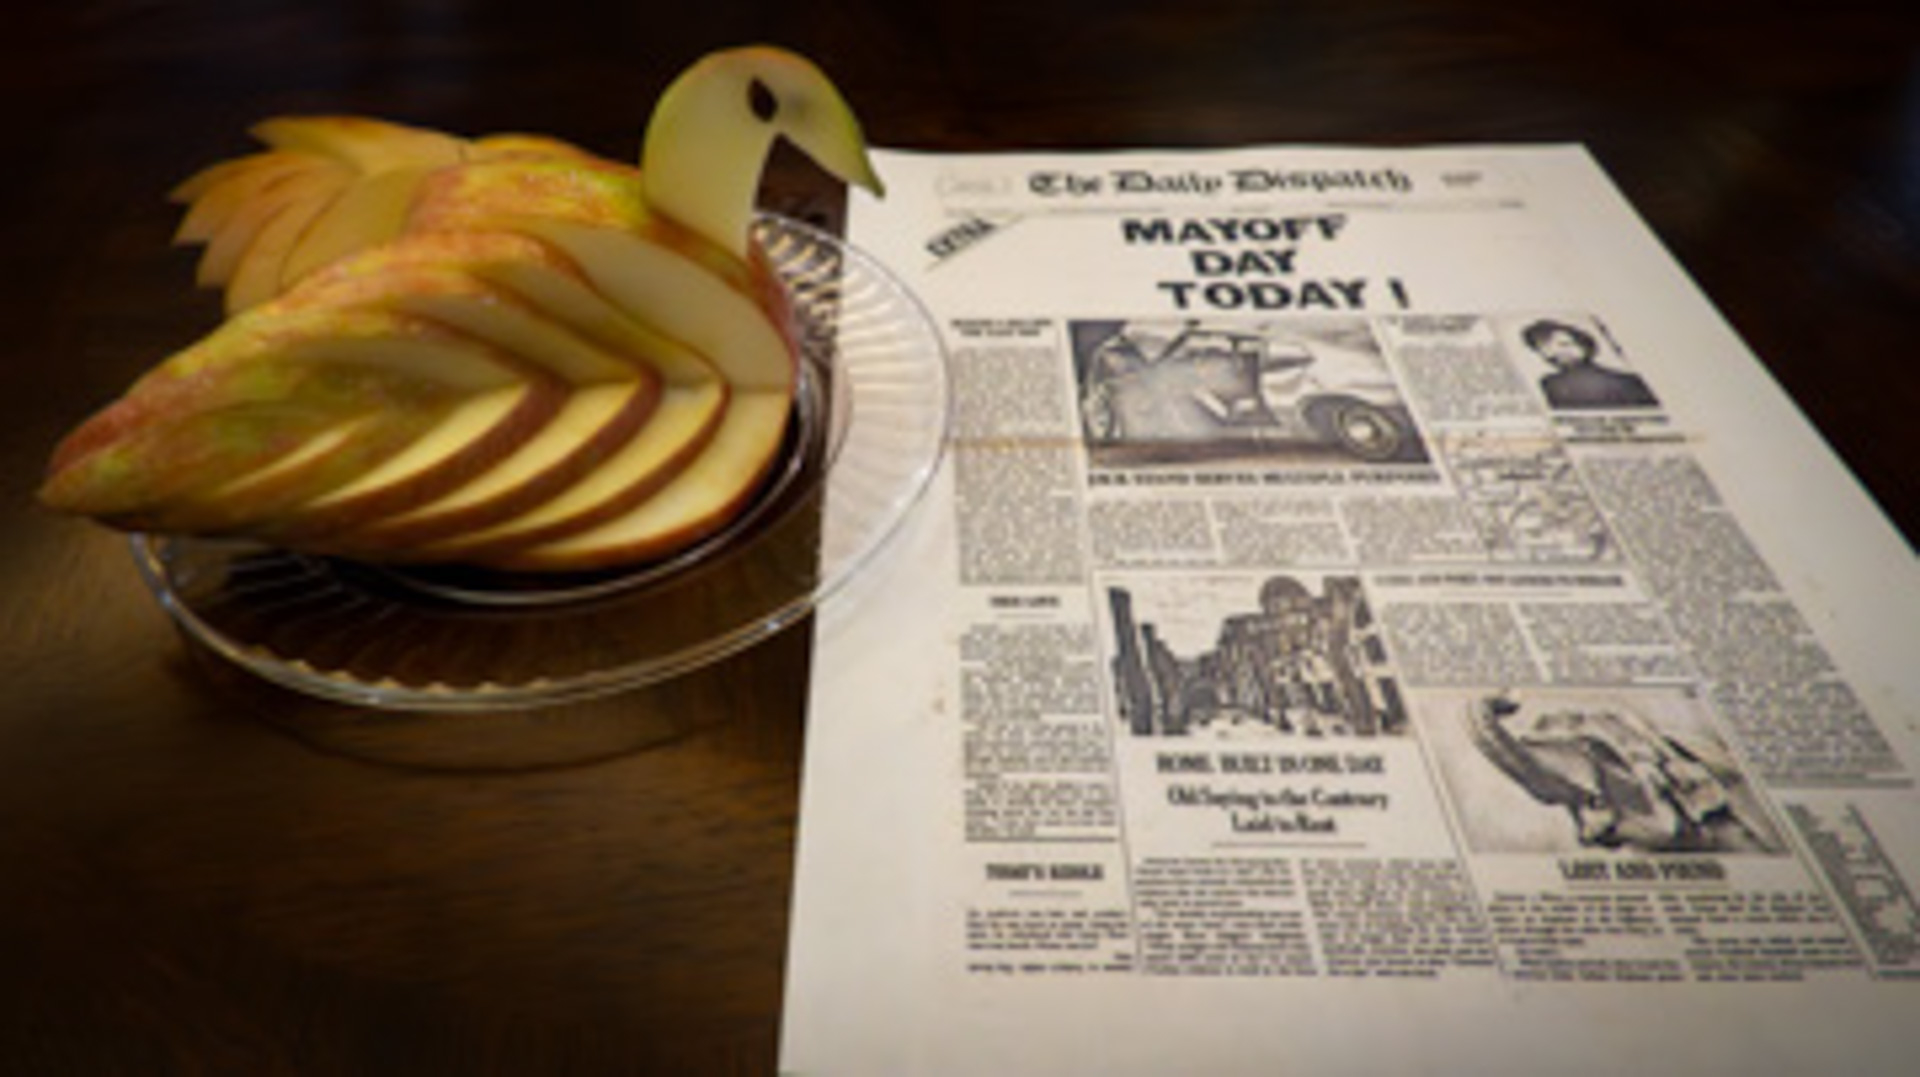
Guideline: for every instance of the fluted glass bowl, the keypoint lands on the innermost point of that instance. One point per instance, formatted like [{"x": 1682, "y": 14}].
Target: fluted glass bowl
[{"x": 869, "y": 430}]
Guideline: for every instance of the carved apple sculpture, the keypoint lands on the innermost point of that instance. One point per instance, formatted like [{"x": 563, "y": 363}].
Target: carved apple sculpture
[{"x": 503, "y": 351}]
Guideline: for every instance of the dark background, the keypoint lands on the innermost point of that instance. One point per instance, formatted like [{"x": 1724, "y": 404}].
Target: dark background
[
  {"x": 189, "y": 890},
  {"x": 1774, "y": 147}
]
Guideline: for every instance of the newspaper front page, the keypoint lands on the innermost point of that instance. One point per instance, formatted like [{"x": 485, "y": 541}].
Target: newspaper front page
[{"x": 1373, "y": 617}]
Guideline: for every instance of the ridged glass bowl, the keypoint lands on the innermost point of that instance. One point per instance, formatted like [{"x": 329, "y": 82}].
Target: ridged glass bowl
[{"x": 869, "y": 430}]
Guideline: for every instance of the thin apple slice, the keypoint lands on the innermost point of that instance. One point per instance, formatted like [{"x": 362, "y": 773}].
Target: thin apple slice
[
  {"x": 366, "y": 214},
  {"x": 216, "y": 192},
  {"x": 223, "y": 252},
  {"x": 569, "y": 301},
  {"x": 440, "y": 277},
  {"x": 324, "y": 460},
  {"x": 474, "y": 434},
  {"x": 517, "y": 330},
  {"x": 283, "y": 481},
  {"x": 702, "y": 498},
  {"x": 657, "y": 285},
  {"x": 226, "y": 170},
  {"x": 261, "y": 267},
  {"x": 679, "y": 432},
  {"x": 588, "y": 429},
  {"x": 367, "y": 144}
]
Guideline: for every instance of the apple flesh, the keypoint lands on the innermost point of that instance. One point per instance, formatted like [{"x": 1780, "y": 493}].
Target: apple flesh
[
  {"x": 237, "y": 232},
  {"x": 589, "y": 428},
  {"x": 680, "y": 431},
  {"x": 701, "y": 498},
  {"x": 466, "y": 440},
  {"x": 365, "y": 215}
]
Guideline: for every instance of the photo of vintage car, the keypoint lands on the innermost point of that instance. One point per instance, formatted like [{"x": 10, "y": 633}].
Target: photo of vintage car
[{"x": 1188, "y": 390}]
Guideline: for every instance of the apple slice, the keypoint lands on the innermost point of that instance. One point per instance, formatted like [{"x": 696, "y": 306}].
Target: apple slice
[
  {"x": 368, "y": 145},
  {"x": 702, "y": 498},
  {"x": 440, "y": 277},
  {"x": 474, "y": 434},
  {"x": 679, "y": 432},
  {"x": 223, "y": 252},
  {"x": 339, "y": 449},
  {"x": 261, "y": 267},
  {"x": 214, "y": 193},
  {"x": 589, "y": 428},
  {"x": 323, "y": 460},
  {"x": 658, "y": 286},
  {"x": 366, "y": 214},
  {"x": 568, "y": 300},
  {"x": 485, "y": 195},
  {"x": 519, "y": 331}
]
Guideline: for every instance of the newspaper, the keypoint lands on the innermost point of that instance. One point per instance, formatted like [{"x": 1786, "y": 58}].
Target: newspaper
[{"x": 1373, "y": 617}]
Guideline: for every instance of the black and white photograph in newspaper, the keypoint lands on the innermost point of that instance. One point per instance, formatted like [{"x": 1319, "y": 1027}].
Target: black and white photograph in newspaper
[
  {"x": 1578, "y": 365},
  {"x": 1250, "y": 655},
  {"x": 1566, "y": 770},
  {"x": 1526, "y": 498},
  {"x": 1306, "y": 390}
]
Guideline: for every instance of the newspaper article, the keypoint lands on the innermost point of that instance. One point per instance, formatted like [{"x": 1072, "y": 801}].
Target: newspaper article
[{"x": 1359, "y": 584}]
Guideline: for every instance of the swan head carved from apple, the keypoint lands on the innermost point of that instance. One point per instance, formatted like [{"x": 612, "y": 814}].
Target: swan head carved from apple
[
  {"x": 504, "y": 351},
  {"x": 714, "y": 126}
]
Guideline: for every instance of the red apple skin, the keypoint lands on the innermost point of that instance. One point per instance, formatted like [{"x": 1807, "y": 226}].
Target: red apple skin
[
  {"x": 542, "y": 558},
  {"x": 478, "y": 547},
  {"x": 306, "y": 523},
  {"x": 183, "y": 428},
  {"x": 389, "y": 537},
  {"x": 192, "y": 432},
  {"x": 733, "y": 466},
  {"x": 498, "y": 195},
  {"x": 664, "y": 545},
  {"x": 133, "y": 478},
  {"x": 231, "y": 509}
]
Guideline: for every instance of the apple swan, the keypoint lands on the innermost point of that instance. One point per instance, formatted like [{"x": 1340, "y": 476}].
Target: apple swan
[{"x": 503, "y": 351}]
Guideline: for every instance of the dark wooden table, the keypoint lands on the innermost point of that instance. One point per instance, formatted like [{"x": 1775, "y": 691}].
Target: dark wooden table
[{"x": 200, "y": 879}]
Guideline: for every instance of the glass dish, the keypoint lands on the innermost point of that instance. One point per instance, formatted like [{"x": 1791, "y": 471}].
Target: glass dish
[{"x": 870, "y": 427}]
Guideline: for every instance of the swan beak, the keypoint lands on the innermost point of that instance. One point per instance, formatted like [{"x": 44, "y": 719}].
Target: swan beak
[
  {"x": 712, "y": 129},
  {"x": 807, "y": 109}
]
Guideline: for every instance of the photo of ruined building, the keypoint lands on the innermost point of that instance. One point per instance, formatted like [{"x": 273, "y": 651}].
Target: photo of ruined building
[{"x": 1299, "y": 663}]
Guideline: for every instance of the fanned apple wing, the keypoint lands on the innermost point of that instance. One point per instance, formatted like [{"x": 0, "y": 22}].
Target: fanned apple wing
[
  {"x": 330, "y": 186},
  {"x": 326, "y": 186},
  {"x": 280, "y": 406}
]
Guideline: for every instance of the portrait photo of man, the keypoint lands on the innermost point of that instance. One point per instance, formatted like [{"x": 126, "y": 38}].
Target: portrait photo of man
[{"x": 1578, "y": 379}]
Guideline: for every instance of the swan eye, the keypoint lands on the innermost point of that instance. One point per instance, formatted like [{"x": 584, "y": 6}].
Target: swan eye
[{"x": 761, "y": 100}]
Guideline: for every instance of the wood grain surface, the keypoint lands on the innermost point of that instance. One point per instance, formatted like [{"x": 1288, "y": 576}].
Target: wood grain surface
[{"x": 202, "y": 876}]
